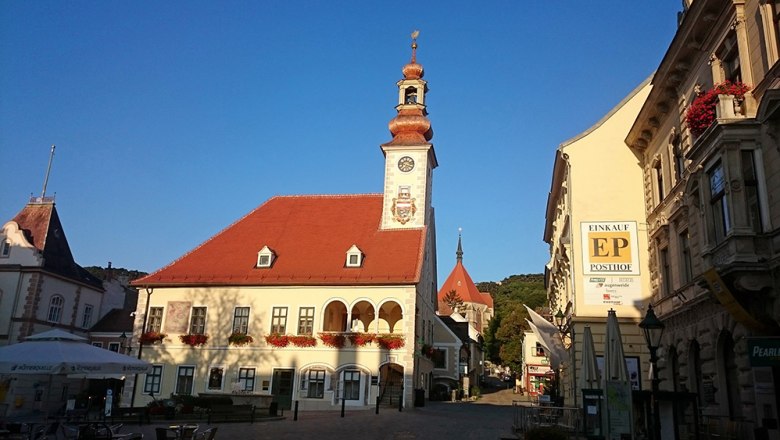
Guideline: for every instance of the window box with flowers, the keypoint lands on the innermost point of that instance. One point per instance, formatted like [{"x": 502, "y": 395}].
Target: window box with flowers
[
  {"x": 239, "y": 339},
  {"x": 152, "y": 337},
  {"x": 361, "y": 339},
  {"x": 334, "y": 340},
  {"x": 194, "y": 340},
  {"x": 390, "y": 341},
  {"x": 303, "y": 340},
  {"x": 277, "y": 340},
  {"x": 728, "y": 96}
]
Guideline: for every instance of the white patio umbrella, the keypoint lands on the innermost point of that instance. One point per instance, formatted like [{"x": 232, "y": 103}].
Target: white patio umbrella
[
  {"x": 589, "y": 376},
  {"x": 58, "y": 352},
  {"x": 616, "y": 383}
]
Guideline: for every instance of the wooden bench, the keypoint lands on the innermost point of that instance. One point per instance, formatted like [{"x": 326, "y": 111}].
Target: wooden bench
[
  {"x": 231, "y": 413},
  {"x": 130, "y": 413}
]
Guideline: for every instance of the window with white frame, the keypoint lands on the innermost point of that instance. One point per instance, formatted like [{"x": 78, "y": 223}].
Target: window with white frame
[
  {"x": 750, "y": 179},
  {"x": 279, "y": 320},
  {"x": 315, "y": 382},
  {"x": 246, "y": 379},
  {"x": 354, "y": 257},
  {"x": 306, "y": 320},
  {"x": 198, "y": 321},
  {"x": 86, "y": 319},
  {"x": 154, "y": 323},
  {"x": 113, "y": 346},
  {"x": 241, "y": 320},
  {"x": 721, "y": 220},
  {"x": 153, "y": 379},
  {"x": 351, "y": 385},
  {"x": 666, "y": 274},
  {"x": 215, "y": 378},
  {"x": 55, "y": 308},
  {"x": 686, "y": 263},
  {"x": 184, "y": 380},
  {"x": 265, "y": 257}
]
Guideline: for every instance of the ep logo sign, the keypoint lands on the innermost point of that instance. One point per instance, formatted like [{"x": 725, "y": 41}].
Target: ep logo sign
[{"x": 610, "y": 248}]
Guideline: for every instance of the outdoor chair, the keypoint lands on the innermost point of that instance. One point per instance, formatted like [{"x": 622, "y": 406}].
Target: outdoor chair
[
  {"x": 207, "y": 434},
  {"x": 164, "y": 434}
]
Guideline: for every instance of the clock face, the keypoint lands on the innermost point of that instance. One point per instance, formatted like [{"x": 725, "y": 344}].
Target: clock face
[{"x": 406, "y": 164}]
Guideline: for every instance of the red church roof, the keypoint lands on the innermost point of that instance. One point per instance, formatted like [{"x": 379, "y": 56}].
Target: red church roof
[
  {"x": 310, "y": 236},
  {"x": 460, "y": 281}
]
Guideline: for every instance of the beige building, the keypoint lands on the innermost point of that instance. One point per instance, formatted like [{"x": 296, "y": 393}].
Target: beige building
[
  {"x": 711, "y": 165},
  {"x": 322, "y": 300},
  {"x": 597, "y": 235}
]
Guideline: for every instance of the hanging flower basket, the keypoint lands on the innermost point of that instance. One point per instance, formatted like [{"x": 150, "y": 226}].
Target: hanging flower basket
[
  {"x": 239, "y": 339},
  {"x": 701, "y": 114},
  {"x": 303, "y": 340},
  {"x": 152, "y": 337},
  {"x": 427, "y": 351},
  {"x": 361, "y": 339},
  {"x": 335, "y": 340},
  {"x": 390, "y": 341},
  {"x": 194, "y": 340}
]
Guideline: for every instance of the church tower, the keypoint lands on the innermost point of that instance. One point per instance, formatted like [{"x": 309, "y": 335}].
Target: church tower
[{"x": 409, "y": 157}]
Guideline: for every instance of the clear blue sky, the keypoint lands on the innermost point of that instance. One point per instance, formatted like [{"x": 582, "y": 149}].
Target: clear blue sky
[{"x": 174, "y": 119}]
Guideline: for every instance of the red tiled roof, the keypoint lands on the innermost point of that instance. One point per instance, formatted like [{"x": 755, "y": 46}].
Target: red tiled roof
[
  {"x": 310, "y": 236},
  {"x": 460, "y": 281},
  {"x": 42, "y": 228}
]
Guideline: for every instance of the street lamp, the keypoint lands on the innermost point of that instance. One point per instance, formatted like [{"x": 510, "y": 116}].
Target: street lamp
[
  {"x": 566, "y": 329},
  {"x": 653, "y": 329},
  {"x": 123, "y": 347}
]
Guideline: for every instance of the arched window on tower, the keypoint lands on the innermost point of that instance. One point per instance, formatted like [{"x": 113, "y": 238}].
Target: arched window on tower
[{"x": 410, "y": 95}]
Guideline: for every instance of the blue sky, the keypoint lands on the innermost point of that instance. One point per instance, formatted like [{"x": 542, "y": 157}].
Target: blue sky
[{"x": 174, "y": 119}]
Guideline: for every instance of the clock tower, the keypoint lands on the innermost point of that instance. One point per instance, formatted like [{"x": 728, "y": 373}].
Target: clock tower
[{"x": 409, "y": 157}]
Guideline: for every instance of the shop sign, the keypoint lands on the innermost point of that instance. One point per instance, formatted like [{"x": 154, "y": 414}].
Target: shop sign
[{"x": 764, "y": 352}]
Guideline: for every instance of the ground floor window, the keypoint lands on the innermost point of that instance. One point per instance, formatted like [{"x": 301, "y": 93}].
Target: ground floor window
[
  {"x": 351, "y": 385},
  {"x": 215, "y": 378},
  {"x": 316, "y": 384},
  {"x": 153, "y": 379},
  {"x": 246, "y": 379},
  {"x": 184, "y": 380}
]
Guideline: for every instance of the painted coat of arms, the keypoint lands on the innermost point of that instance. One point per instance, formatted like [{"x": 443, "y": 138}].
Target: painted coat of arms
[{"x": 403, "y": 208}]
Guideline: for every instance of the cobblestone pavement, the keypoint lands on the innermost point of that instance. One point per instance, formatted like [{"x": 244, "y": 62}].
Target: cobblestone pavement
[{"x": 490, "y": 417}]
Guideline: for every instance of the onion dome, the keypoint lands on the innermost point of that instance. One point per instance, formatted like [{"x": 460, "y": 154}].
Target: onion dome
[
  {"x": 411, "y": 125},
  {"x": 413, "y": 70}
]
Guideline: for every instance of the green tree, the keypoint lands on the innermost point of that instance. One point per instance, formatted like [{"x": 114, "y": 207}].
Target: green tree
[{"x": 453, "y": 301}]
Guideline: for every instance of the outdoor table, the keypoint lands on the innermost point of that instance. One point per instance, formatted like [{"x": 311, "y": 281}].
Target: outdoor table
[{"x": 184, "y": 432}]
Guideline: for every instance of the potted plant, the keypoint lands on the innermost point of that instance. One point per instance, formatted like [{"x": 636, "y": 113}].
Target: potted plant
[
  {"x": 427, "y": 351},
  {"x": 701, "y": 114},
  {"x": 335, "y": 340},
  {"x": 303, "y": 340},
  {"x": 239, "y": 339},
  {"x": 361, "y": 339},
  {"x": 194, "y": 340},
  {"x": 277, "y": 340},
  {"x": 152, "y": 337},
  {"x": 390, "y": 341}
]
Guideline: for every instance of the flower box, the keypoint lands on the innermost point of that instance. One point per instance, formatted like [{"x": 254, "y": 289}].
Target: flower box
[
  {"x": 194, "y": 340},
  {"x": 361, "y": 339},
  {"x": 239, "y": 339},
  {"x": 335, "y": 340},
  {"x": 152, "y": 337},
  {"x": 702, "y": 112},
  {"x": 303, "y": 340},
  {"x": 277, "y": 340},
  {"x": 390, "y": 341}
]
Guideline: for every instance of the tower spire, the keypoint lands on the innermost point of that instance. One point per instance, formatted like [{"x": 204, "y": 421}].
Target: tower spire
[
  {"x": 415, "y": 34},
  {"x": 459, "y": 252}
]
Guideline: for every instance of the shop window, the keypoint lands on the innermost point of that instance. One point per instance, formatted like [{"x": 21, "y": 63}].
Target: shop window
[
  {"x": 316, "y": 384},
  {"x": 246, "y": 379},
  {"x": 351, "y": 385}
]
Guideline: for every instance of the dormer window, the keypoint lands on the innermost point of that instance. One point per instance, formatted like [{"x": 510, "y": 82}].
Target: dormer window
[
  {"x": 265, "y": 258},
  {"x": 354, "y": 257},
  {"x": 5, "y": 249}
]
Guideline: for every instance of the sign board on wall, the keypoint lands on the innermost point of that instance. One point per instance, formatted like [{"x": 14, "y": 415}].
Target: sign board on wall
[
  {"x": 610, "y": 248},
  {"x": 613, "y": 291}
]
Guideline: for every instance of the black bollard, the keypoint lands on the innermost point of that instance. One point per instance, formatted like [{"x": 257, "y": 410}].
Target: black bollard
[
  {"x": 295, "y": 414},
  {"x": 377, "y": 405},
  {"x": 343, "y": 403},
  {"x": 401, "y": 400}
]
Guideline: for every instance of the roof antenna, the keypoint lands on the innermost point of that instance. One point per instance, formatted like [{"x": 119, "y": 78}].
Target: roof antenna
[{"x": 48, "y": 170}]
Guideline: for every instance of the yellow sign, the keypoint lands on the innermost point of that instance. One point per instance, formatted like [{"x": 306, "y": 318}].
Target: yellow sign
[{"x": 610, "y": 248}]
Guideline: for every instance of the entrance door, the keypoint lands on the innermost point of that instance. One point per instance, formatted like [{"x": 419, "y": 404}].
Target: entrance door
[{"x": 282, "y": 387}]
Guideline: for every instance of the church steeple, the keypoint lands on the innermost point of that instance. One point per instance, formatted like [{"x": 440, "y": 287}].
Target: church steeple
[
  {"x": 409, "y": 156},
  {"x": 459, "y": 252}
]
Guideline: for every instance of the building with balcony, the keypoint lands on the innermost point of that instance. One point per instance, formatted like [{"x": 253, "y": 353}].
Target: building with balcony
[
  {"x": 707, "y": 142},
  {"x": 324, "y": 300}
]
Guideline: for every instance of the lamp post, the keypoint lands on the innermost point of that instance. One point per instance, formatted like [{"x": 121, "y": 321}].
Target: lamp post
[
  {"x": 149, "y": 291},
  {"x": 566, "y": 328},
  {"x": 653, "y": 329},
  {"x": 123, "y": 347}
]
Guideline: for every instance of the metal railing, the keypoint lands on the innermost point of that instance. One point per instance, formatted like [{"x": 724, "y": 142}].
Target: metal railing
[{"x": 528, "y": 417}]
